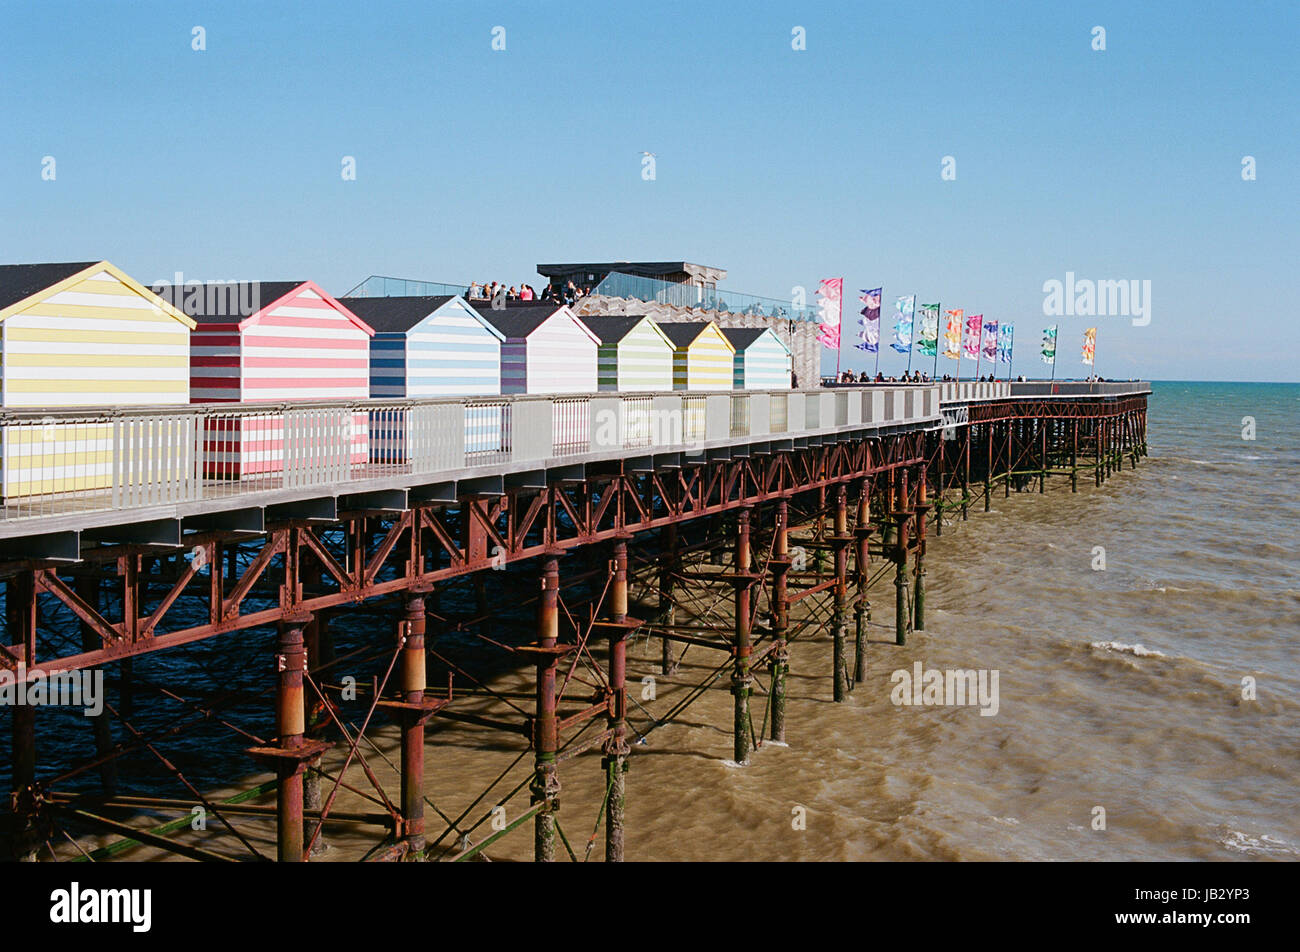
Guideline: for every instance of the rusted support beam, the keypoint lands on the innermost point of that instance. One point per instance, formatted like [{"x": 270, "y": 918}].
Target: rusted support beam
[
  {"x": 902, "y": 522},
  {"x": 616, "y": 747},
  {"x": 669, "y": 566},
  {"x": 411, "y": 637},
  {"x": 291, "y": 658},
  {"x": 779, "y": 658},
  {"x": 839, "y": 630},
  {"x": 922, "y": 507},
  {"x": 862, "y": 560},
  {"x": 545, "y": 786},
  {"x": 741, "y": 679}
]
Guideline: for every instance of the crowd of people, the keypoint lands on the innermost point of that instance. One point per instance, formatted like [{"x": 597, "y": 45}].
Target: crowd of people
[
  {"x": 496, "y": 291},
  {"x": 915, "y": 376}
]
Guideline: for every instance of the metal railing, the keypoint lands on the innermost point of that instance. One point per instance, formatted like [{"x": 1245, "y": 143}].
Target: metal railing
[
  {"x": 378, "y": 285},
  {"x": 1078, "y": 388},
  {"x": 635, "y": 287},
  {"x": 72, "y": 461}
]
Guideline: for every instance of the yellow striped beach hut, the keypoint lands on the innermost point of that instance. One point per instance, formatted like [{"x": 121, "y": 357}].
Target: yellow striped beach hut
[
  {"x": 81, "y": 334},
  {"x": 703, "y": 358},
  {"x": 634, "y": 354}
]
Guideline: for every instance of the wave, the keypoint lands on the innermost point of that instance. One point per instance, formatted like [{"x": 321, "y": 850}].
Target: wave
[
  {"x": 1136, "y": 650},
  {"x": 1245, "y": 843}
]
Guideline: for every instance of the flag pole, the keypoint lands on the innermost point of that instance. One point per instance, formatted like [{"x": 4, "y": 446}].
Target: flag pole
[
  {"x": 839, "y": 334},
  {"x": 911, "y": 345},
  {"x": 979, "y": 348},
  {"x": 938, "y": 314},
  {"x": 961, "y": 332},
  {"x": 878, "y": 310}
]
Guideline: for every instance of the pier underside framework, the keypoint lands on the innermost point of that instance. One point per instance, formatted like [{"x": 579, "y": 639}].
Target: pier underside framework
[{"x": 735, "y": 559}]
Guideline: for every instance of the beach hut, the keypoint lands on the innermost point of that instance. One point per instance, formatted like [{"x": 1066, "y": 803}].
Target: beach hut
[
  {"x": 762, "y": 360},
  {"x": 548, "y": 350},
  {"x": 276, "y": 340},
  {"x": 82, "y": 334},
  {"x": 430, "y": 347},
  {"x": 545, "y": 349},
  {"x": 703, "y": 358},
  {"x": 634, "y": 354}
]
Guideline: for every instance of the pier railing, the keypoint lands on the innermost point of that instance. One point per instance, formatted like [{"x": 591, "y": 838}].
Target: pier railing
[
  {"x": 73, "y": 461},
  {"x": 1079, "y": 388}
]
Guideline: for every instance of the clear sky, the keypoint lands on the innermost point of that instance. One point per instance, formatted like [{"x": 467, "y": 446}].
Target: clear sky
[{"x": 781, "y": 166}]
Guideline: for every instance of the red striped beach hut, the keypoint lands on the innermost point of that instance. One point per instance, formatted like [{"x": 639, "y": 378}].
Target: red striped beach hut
[{"x": 275, "y": 340}]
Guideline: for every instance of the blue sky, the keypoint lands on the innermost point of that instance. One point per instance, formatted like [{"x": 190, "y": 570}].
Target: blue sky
[{"x": 781, "y": 166}]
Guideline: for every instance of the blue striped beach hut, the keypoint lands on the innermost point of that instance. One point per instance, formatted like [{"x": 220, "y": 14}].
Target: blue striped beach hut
[
  {"x": 432, "y": 346},
  {"x": 435, "y": 346},
  {"x": 634, "y": 354},
  {"x": 762, "y": 361}
]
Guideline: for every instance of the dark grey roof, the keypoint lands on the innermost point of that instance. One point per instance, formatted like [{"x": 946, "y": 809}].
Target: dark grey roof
[
  {"x": 683, "y": 333},
  {"x": 612, "y": 328},
  {"x": 18, "y": 281},
  {"x": 260, "y": 294},
  {"x": 519, "y": 319},
  {"x": 742, "y": 337},
  {"x": 389, "y": 315}
]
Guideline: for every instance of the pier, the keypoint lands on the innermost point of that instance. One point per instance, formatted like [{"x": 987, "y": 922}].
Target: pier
[{"x": 618, "y": 515}]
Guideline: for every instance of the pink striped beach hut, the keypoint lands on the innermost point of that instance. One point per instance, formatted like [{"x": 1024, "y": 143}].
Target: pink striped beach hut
[{"x": 276, "y": 341}]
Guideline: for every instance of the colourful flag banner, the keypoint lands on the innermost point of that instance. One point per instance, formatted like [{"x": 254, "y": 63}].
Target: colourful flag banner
[
  {"x": 991, "y": 340},
  {"x": 952, "y": 336},
  {"x": 927, "y": 338},
  {"x": 830, "y": 291},
  {"x": 906, "y": 308},
  {"x": 1089, "y": 345},
  {"x": 1006, "y": 340},
  {"x": 869, "y": 322},
  {"x": 1049, "y": 344},
  {"x": 973, "y": 324}
]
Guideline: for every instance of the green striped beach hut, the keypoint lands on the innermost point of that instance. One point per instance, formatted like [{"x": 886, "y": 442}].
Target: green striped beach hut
[
  {"x": 634, "y": 354},
  {"x": 762, "y": 360}
]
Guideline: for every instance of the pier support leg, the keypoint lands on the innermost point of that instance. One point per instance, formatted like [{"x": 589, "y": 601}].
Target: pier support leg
[
  {"x": 545, "y": 787},
  {"x": 741, "y": 679},
  {"x": 616, "y": 747},
  {"x": 901, "y": 583},
  {"x": 290, "y": 727},
  {"x": 779, "y": 659},
  {"x": 862, "y": 608},
  {"x": 667, "y": 610},
  {"x": 411, "y": 634},
  {"x": 922, "y": 507},
  {"x": 20, "y": 619},
  {"x": 839, "y": 628},
  {"x": 988, "y": 469}
]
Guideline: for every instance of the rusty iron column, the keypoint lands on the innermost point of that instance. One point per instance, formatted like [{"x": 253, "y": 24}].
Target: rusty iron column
[
  {"x": 839, "y": 628},
  {"x": 616, "y": 747},
  {"x": 667, "y": 609},
  {"x": 988, "y": 469},
  {"x": 861, "y": 566},
  {"x": 545, "y": 786},
  {"x": 901, "y": 584},
  {"x": 410, "y": 636},
  {"x": 779, "y": 659},
  {"x": 291, "y": 658},
  {"x": 741, "y": 680},
  {"x": 1074, "y": 456},
  {"x": 20, "y": 611},
  {"x": 922, "y": 507}
]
